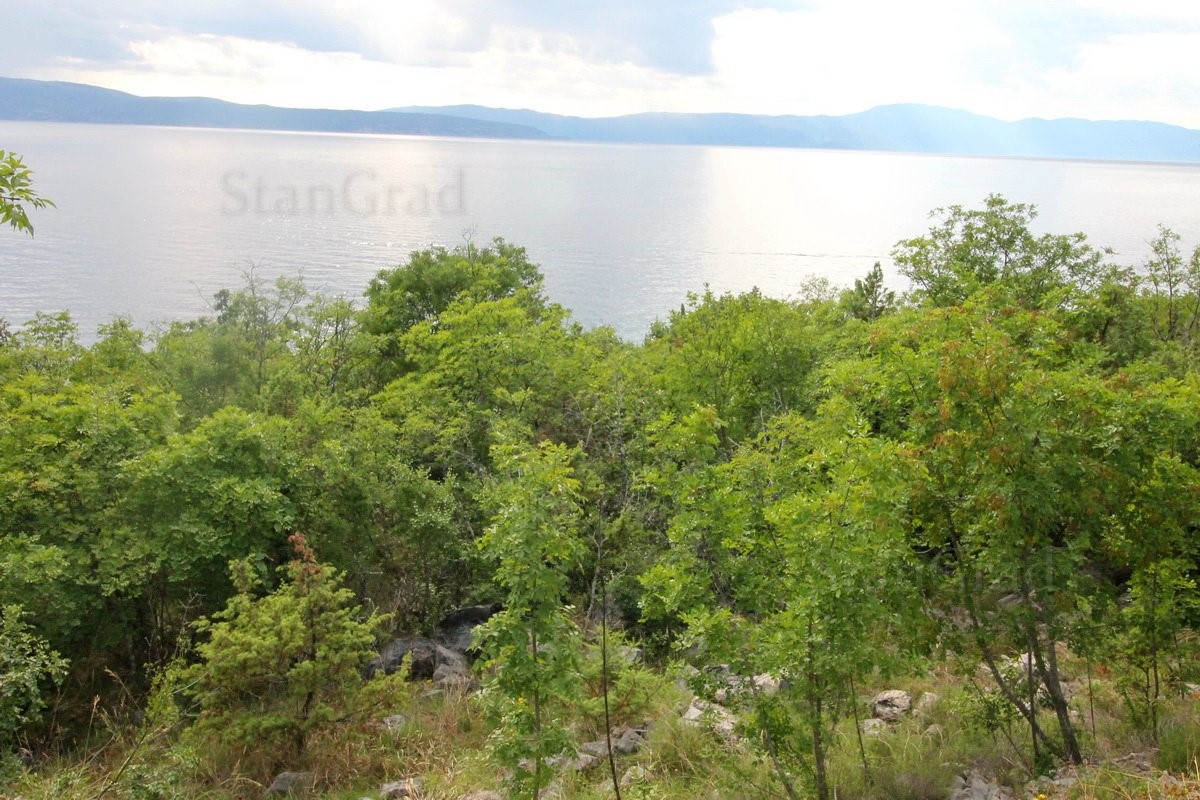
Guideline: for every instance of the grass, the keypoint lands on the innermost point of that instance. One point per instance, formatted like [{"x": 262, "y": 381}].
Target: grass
[{"x": 444, "y": 742}]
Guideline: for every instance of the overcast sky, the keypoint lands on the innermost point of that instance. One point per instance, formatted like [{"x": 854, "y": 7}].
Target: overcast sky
[{"x": 1098, "y": 59}]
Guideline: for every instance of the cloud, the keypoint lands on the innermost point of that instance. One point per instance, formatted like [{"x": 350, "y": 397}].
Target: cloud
[{"x": 1006, "y": 58}]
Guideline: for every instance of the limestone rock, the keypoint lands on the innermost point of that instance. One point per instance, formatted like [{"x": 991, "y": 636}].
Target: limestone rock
[
  {"x": 409, "y": 787},
  {"x": 424, "y": 657},
  {"x": 890, "y": 705},
  {"x": 290, "y": 784},
  {"x": 633, "y": 775},
  {"x": 872, "y": 727},
  {"x": 630, "y": 741},
  {"x": 767, "y": 684},
  {"x": 456, "y": 631},
  {"x": 717, "y": 717},
  {"x": 926, "y": 702},
  {"x": 974, "y": 786}
]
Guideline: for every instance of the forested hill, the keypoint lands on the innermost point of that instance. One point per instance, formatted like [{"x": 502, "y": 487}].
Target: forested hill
[
  {"x": 703, "y": 555},
  {"x": 52, "y": 101},
  {"x": 901, "y": 128}
]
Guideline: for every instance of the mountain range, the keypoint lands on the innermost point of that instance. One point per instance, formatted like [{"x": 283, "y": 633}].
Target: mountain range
[{"x": 902, "y": 128}]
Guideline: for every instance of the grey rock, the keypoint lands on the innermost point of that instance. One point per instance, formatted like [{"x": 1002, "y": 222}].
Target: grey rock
[
  {"x": 457, "y": 629},
  {"x": 482, "y": 794},
  {"x": 629, "y": 742},
  {"x": 630, "y": 655},
  {"x": 767, "y": 684},
  {"x": 394, "y": 722},
  {"x": 974, "y": 786},
  {"x": 890, "y": 705},
  {"x": 290, "y": 784},
  {"x": 633, "y": 775},
  {"x": 408, "y": 787},
  {"x": 926, "y": 702},
  {"x": 872, "y": 727},
  {"x": 718, "y": 718},
  {"x": 598, "y": 748},
  {"x": 424, "y": 657}
]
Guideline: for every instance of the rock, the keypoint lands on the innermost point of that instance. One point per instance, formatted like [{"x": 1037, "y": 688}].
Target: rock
[
  {"x": 453, "y": 677},
  {"x": 630, "y": 741},
  {"x": 290, "y": 784},
  {"x": 394, "y": 722},
  {"x": 767, "y": 684},
  {"x": 577, "y": 762},
  {"x": 934, "y": 730},
  {"x": 635, "y": 774},
  {"x": 630, "y": 655},
  {"x": 424, "y": 657},
  {"x": 926, "y": 702},
  {"x": 482, "y": 794},
  {"x": 456, "y": 631},
  {"x": 409, "y": 787},
  {"x": 717, "y": 717},
  {"x": 872, "y": 727},
  {"x": 974, "y": 786},
  {"x": 625, "y": 741},
  {"x": 598, "y": 748},
  {"x": 890, "y": 705}
]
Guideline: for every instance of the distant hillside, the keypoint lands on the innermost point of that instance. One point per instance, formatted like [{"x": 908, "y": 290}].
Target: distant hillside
[
  {"x": 53, "y": 101},
  {"x": 905, "y": 128}
]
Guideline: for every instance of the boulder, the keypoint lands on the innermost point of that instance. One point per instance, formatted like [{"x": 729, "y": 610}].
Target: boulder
[
  {"x": 719, "y": 718},
  {"x": 577, "y": 762},
  {"x": 424, "y": 655},
  {"x": 974, "y": 786},
  {"x": 635, "y": 774},
  {"x": 926, "y": 702},
  {"x": 456, "y": 631},
  {"x": 394, "y": 722},
  {"x": 890, "y": 705},
  {"x": 767, "y": 684},
  {"x": 630, "y": 741},
  {"x": 872, "y": 727},
  {"x": 290, "y": 784},
  {"x": 409, "y": 787}
]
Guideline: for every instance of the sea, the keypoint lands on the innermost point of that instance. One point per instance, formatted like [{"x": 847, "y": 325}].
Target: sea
[{"x": 150, "y": 222}]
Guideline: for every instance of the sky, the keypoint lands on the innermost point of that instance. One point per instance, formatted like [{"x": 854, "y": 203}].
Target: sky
[{"x": 1011, "y": 59}]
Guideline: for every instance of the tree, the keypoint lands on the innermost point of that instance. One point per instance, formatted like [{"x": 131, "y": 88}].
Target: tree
[
  {"x": 16, "y": 192},
  {"x": 532, "y": 644},
  {"x": 791, "y": 559},
  {"x": 1173, "y": 292},
  {"x": 433, "y": 279},
  {"x": 27, "y": 666},
  {"x": 273, "y": 669},
  {"x": 970, "y": 249},
  {"x": 869, "y": 300}
]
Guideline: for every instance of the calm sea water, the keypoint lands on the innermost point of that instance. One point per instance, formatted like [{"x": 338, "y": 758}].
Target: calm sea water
[{"x": 152, "y": 221}]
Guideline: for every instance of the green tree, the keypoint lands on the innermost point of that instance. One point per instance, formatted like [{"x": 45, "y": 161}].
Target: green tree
[
  {"x": 869, "y": 300},
  {"x": 1173, "y": 288},
  {"x": 970, "y": 249},
  {"x": 532, "y": 645},
  {"x": 16, "y": 192},
  {"x": 275, "y": 668},
  {"x": 27, "y": 667},
  {"x": 420, "y": 290},
  {"x": 791, "y": 559}
]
